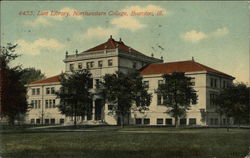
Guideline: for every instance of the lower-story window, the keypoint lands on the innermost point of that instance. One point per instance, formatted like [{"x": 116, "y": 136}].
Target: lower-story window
[
  {"x": 138, "y": 121},
  {"x": 169, "y": 121},
  {"x": 159, "y": 121},
  {"x": 61, "y": 121},
  {"x": 183, "y": 121},
  {"x": 146, "y": 121},
  {"x": 52, "y": 121},
  {"x": 32, "y": 121},
  {"x": 46, "y": 121},
  {"x": 216, "y": 121},
  {"x": 38, "y": 121},
  {"x": 192, "y": 121}
]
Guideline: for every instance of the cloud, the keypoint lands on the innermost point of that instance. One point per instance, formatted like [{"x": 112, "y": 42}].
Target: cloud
[
  {"x": 41, "y": 21},
  {"x": 195, "y": 36},
  {"x": 127, "y": 22},
  {"x": 148, "y": 8},
  {"x": 39, "y": 46},
  {"x": 99, "y": 32},
  {"x": 220, "y": 32}
]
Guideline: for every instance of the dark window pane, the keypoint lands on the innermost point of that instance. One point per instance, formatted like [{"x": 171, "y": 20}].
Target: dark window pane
[
  {"x": 192, "y": 121},
  {"x": 159, "y": 121},
  {"x": 146, "y": 121},
  {"x": 168, "y": 121}
]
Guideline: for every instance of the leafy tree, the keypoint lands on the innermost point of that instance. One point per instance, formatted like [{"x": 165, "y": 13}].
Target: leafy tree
[
  {"x": 177, "y": 93},
  {"x": 30, "y": 75},
  {"x": 124, "y": 91},
  {"x": 75, "y": 96},
  {"x": 13, "y": 93},
  {"x": 234, "y": 102}
]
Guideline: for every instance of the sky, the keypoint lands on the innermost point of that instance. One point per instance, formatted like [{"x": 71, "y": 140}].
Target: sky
[{"x": 216, "y": 34}]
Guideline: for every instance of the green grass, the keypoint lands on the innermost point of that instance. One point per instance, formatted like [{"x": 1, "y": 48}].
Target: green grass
[{"x": 130, "y": 142}]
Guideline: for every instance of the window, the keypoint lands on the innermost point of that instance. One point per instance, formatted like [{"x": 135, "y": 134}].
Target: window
[
  {"x": 168, "y": 121},
  {"x": 32, "y": 121},
  {"x": 61, "y": 121},
  {"x": 52, "y": 121},
  {"x": 92, "y": 64},
  {"x": 146, "y": 84},
  {"x": 91, "y": 83},
  {"x": 33, "y": 91},
  {"x": 71, "y": 67},
  {"x": 35, "y": 104},
  {"x": 192, "y": 121},
  {"x": 134, "y": 65},
  {"x": 146, "y": 121},
  {"x": 52, "y": 90},
  {"x": 160, "y": 82},
  {"x": 192, "y": 81},
  {"x": 46, "y": 121},
  {"x": 159, "y": 121},
  {"x": 138, "y": 121},
  {"x": 100, "y": 63},
  {"x": 110, "y": 62},
  {"x": 159, "y": 99},
  {"x": 50, "y": 103},
  {"x": 54, "y": 103},
  {"x": 213, "y": 82},
  {"x": 110, "y": 107},
  {"x": 97, "y": 83},
  {"x": 38, "y": 91},
  {"x": 89, "y": 115},
  {"x": 212, "y": 100},
  {"x": 211, "y": 121},
  {"x": 79, "y": 66},
  {"x": 88, "y": 65},
  {"x": 183, "y": 121},
  {"x": 216, "y": 121},
  {"x": 37, "y": 121},
  {"x": 46, "y": 103},
  {"x": 32, "y": 104},
  {"x": 224, "y": 121},
  {"x": 47, "y": 90}
]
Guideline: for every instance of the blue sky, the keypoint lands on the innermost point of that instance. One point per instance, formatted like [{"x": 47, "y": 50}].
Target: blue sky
[{"x": 214, "y": 33}]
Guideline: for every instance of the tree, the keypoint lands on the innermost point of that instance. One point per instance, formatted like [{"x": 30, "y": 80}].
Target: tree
[
  {"x": 30, "y": 75},
  {"x": 75, "y": 96},
  {"x": 234, "y": 102},
  {"x": 13, "y": 93},
  {"x": 124, "y": 91},
  {"x": 177, "y": 93}
]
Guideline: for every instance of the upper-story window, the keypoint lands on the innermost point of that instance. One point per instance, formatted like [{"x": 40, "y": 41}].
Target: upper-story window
[
  {"x": 212, "y": 99},
  {"x": 159, "y": 99},
  {"x": 213, "y": 82},
  {"x": 71, "y": 67},
  {"x": 52, "y": 90},
  {"x": 160, "y": 82},
  {"x": 79, "y": 66},
  {"x": 134, "y": 65},
  {"x": 192, "y": 82},
  {"x": 91, "y": 83},
  {"x": 97, "y": 83},
  {"x": 146, "y": 84},
  {"x": 47, "y": 90},
  {"x": 110, "y": 62},
  {"x": 33, "y": 91},
  {"x": 38, "y": 91},
  {"x": 100, "y": 63},
  {"x": 90, "y": 64}
]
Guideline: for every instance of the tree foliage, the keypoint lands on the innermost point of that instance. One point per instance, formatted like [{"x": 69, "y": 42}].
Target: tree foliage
[
  {"x": 30, "y": 75},
  {"x": 177, "y": 93},
  {"x": 13, "y": 93},
  {"x": 124, "y": 91},
  {"x": 234, "y": 102},
  {"x": 75, "y": 96}
]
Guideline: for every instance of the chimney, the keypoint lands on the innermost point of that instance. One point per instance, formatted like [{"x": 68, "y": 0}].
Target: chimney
[
  {"x": 66, "y": 54},
  {"x": 76, "y": 51},
  {"x": 152, "y": 55},
  {"x": 192, "y": 58}
]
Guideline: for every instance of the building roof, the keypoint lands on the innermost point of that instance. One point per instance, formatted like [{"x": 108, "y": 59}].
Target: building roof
[
  {"x": 47, "y": 80},
  {"x": 180, "y": 66},
  {"x": 112, "y": 44}
]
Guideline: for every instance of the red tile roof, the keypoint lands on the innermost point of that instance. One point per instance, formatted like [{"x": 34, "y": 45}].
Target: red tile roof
[
  {"x": 48, "y": 80},
  {"x": 112, "y": 44},
  {"x": 181, "y": 66}
]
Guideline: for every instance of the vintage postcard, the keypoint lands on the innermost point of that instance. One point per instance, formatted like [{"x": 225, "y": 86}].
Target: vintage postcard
[{"x": 119, "y": 79}]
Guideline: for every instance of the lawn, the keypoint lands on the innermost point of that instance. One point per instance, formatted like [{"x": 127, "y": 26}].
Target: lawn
[{"x": 127, "y": 143}]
